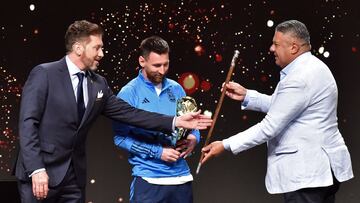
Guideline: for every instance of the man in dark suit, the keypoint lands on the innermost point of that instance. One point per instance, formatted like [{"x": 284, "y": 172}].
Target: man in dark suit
[{"x": 60, "y": 102}]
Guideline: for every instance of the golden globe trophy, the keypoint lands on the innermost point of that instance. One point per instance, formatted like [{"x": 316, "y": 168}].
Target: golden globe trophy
[{"x": 184, "y": 105}]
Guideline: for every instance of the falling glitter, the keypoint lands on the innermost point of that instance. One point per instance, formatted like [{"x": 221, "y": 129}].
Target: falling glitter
[{"x": 9, "y": 97}]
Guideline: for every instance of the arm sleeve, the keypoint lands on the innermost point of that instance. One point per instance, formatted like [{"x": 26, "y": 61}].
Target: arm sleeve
[
  {"x": 256, "y": 101},
  {"x": 197, "y": 135},
  {"x": 289, "y": 102},
  {"x": 135, "y": 146},
  {"x": 32, "y": 106},
  {"x": 37, "y": 171},
  {"x": 119, "y": 110},
  {"x": 125, "y": 141}
]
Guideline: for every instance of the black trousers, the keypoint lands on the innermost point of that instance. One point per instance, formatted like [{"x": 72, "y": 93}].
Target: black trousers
[
  {"x": 145, "y": 192},
  {"x": 67, "y": 191},
  {"x": 313, "y": 195}
]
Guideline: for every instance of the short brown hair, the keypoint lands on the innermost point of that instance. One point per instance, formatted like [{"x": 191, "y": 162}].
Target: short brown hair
[
  {"x": 80, "y": 30},
  {"x": 154, "y": 44}
]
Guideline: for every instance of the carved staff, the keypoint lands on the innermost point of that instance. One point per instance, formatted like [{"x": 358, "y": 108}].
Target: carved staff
[{"x": 218, "y": 107}]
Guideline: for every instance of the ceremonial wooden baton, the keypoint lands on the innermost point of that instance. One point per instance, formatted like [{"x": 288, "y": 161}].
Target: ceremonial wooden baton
[{"x": 218, "y": 107}]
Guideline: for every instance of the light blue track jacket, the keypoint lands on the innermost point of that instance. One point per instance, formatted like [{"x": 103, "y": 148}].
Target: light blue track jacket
[{"x": 144, "y": 146}]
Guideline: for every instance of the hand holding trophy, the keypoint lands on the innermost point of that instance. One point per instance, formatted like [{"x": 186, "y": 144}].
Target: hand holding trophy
[{"x": 184, "y": 105}]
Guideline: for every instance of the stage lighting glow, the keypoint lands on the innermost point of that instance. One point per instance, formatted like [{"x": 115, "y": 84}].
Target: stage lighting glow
[
  {"x": 32, "y": 7},
  {"x": 326, "y": 54},
  {"x": 270, "y": 23},
  {"x": 321, "y": 50},
  {"x": 199, "y": 50},
  {"x": 207, "y": 113}
]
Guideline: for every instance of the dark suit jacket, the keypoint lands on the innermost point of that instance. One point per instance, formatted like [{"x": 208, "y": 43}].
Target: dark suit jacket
[{"x": 51, "y": 135}]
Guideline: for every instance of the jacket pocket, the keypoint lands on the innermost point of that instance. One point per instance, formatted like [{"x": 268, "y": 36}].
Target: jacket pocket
[
  {"x": 289, "y": 149},
  {"x": 47, "y": 147}
]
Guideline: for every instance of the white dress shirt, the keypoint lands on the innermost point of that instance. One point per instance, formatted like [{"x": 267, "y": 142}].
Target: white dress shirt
[{"x": 73, "y": 70}]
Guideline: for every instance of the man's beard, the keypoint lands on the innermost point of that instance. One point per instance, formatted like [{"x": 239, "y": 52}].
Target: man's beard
[
  {"x": 156, "y": 78},
  {"x": 91, "y": 64}
]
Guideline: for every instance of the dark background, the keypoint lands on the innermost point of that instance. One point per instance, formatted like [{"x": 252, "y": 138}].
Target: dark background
[{"x": 28, "y": 38}]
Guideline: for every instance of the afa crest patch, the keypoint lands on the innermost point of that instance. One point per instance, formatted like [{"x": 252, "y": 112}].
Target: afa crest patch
[{"x": 171, "y": 95}]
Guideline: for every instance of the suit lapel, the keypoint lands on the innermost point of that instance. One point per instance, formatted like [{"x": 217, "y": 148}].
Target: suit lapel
[{"x": 68, "y": 89}]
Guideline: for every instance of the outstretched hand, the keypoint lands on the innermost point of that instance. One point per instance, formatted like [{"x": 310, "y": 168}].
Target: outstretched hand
[
  {"x": 213, "y": 149},
  {"x": 193, "y": 120},
  {"x": 235, "y": 91}
]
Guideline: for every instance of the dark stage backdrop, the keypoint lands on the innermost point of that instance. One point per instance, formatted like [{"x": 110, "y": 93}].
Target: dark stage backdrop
[{"x": 203, "y": 36}]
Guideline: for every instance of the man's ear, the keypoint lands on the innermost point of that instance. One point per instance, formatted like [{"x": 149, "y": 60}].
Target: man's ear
[
  {"x": 295, "y": 47},
  {"x": 141, "y": 61},
  {"x": 78, "y": 48}
]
